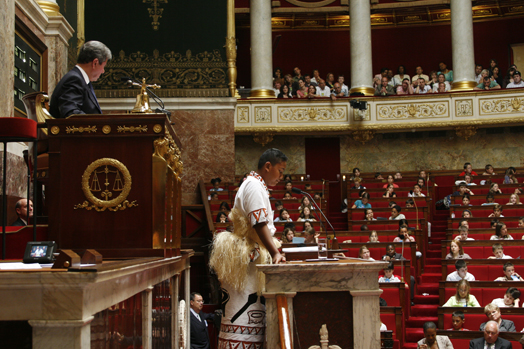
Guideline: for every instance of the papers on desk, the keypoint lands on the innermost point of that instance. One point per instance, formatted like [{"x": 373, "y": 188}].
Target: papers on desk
[
  {"x": 300, "y": 249},
  {"x": 19, "y": 265}
]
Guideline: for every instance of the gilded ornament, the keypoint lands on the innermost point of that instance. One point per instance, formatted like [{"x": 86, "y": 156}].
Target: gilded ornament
[
  {"x": 55, "y": 130},
  {"x": 157, "y": 128},
  {"x": 413, "y": 111},
  {"x": 106, "y": 129},
  {"x": 311, "y": 4},
  {"x": 501, "y": 106},
  {"x": 363, "y": 136},
  {"x": 155, "y": 12},
  {"x": 464, "y": 107},
  {"x": 263, "y": 138},
  {"x": 116, "y": 180},
  {"x": 81, "y": 129},
  {"x": 466, "y": 131},
  {"x": 131, "y": 129},
  {"x": 300, "y": 114},
  {"x": 243, "y": 114},
  {"x": 263, "y": 114}
]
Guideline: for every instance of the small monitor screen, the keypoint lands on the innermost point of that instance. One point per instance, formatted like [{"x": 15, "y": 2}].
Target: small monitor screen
[{"x": 38, "y": 251}]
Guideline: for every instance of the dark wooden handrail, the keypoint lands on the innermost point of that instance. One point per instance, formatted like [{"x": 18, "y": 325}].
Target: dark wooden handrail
[{"x": 286, "y": 337}]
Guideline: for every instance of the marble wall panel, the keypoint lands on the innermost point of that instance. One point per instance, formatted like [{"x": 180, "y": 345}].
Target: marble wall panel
[
  {"x": 27, "y": 21},
  {"x": 247, "y": 153},
  {"x": 208, "y": 148},
  {"x": 16, "y": 174},
  {"x": 7, "y": 56}
]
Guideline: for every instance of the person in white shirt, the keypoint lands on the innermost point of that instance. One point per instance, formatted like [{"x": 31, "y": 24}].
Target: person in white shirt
[
  {"x": 344, "y": 87},
  {"x": 517, "y": 81},
  {"x": 461, "y": 272},
  {"x": 511, "y": 299},
  {"x": 442, "y": 78},
  {"x": 401, "y": 74},
  {"x": 322, "y": 89},
  {"x": 478, "y": 73},
  {"x": 422, "y": 88},
  {"x": 509, "y": 273},
  {"x": 277, "y": 87},
  {"x": 463, "y": 234},
  {"x": 419, "y": 74},
  {"x": 388, "y": 274},
  {"x": 498, "y": 252}
]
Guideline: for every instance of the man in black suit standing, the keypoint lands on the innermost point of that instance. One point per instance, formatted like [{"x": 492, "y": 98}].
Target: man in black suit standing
[
  {"x": 199, "y": 334},
  {"x": 74, "y": 94},
  {"x": 491, "y": 339},
  {"x": 24, "y": 212}
]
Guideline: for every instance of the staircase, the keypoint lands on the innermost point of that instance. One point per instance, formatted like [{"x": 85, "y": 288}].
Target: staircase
[{"x": 427, "y": 298}]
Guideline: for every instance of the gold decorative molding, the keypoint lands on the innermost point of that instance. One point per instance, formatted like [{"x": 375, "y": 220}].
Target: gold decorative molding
[
  {"x": 262, "y": 93},
  {"x": 157, "y": 128},
  {"x": 363, "y": 136},
  {"x": 106, "y": 129},
  {"x": 231, "y": 50},
  {"x": 367, "y": 91},
  {"x": 361, "y": 115},
  {"x": 490, "y": 106},
  {"x": 81, "y": 129},
  {"x": 426, "y": 110},
  {"x": 116, "y": 180},
  {"x": 50, "y": 8},
  {"x": 463, "y": 85},
  {"x": 131, "y": 129},
  {"x": 155, "y": 12},
  {"x": 466, "y": 131},
  {"x": 55, "y": 130},
  {"x": 243, "y": 115},
  {"x": 311, "y": 4},
  {"x": 464, "y": 107},
  {"x": 318, "y": 114},
  {"x": 263, "y": 138},
  {"x": 263, "y": 114}
]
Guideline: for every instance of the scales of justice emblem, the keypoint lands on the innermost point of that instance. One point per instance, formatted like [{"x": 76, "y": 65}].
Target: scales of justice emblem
[{"x": 106, "y": 184}]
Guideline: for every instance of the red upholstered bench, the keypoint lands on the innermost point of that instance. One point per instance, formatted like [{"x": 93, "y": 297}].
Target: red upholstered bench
[
  {"x": 484, "y": 272},
  {"x": 473, "y": 321}
]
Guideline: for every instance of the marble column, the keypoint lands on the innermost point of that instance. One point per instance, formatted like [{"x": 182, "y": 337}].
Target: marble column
[
  {"x": 7, "y": 57},
  {"x": 73, "y": 334},
  {"x": 261, "y": 50},
  {"x": 360, "y": 45},
  {"x": 366, "y": 318},
  {"x": 147, "y": 318},
  {"x": 175, "y": 333},
  {"x": 462, "y": 45},
  {"x": 272, "y": 325},
  {"x": 187, "y": 295}
]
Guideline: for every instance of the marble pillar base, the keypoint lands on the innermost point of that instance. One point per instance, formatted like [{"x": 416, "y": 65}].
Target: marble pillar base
[
  {"x": 367, "y": 91},
  {"x": 463, "y": 85},
  {"x": 262, "y": 93},
  {"x": 73, "y": 334}
]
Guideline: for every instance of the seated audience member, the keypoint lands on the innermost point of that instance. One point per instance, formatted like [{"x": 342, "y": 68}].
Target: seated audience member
[
  {"x": 490, "y": 200},
  {"x": 285, "y": 92},
  {"x": 497, "y": 76},
  {"x": 468, "y": 169},
  {"x": 322, "y": 89},
  {"x": 463, "y": 189},
  {"x": 378, "y": 78},
  {"x": 395, "y": 213},
  {"x": 463, "y": 222},
  {"x": 302, "y": 90},
  {"x": 384, "y": 89},
  {"x": 224, "y": 207},
  {"x": 489, "y": 170},
  {"x": 362, "y": 203},
  {"x": 509, "y": 273},
  {"x": 517, "y": 81},
  {"x": 298, "y": 74},
  {"x": 478, "y": 72},
  {"x": 330, "y": 81},
  {"x": 422, "y": 174},
  {"x": 222, "y": 218},
  {"x": 466, "y": 200},
  {"x": 392, "y": 204},
  {"x": 310, "y": 236},
  {"x": 316, "y": 77},
  {"x": 277, "y": 75},
  {"x": 388, "y": 274},
  {"x": 491, "y": 338},
  {"x": 456, "y": 251},
  {"x": 509, "y": 77},
  {"x": 487, "y": 84},
  {"x": 212, "y": 196},
  {"x": 373, "y": 237},
  {"x": 419, "y": 75},
  {"x": 511, "y": 299},
  {"x": 288, "y": 196},
  {"x": 278, "y": 205},
  {"x": 401, "y": 74},
  {"x": 369, "y": 215},
  {"x": 287, "y": 236},
  {"x": 363, "y": 253},
  {"x": 291, "y": 225},
  {"x": 337, "y": 92},
  {"x": 509, "y": 177},
  {"x": 391, "y": 254},
  {"x": 467, "y": 214},
  {"x": 390, "y": 192},
  {"x": 378, "y": 175},
  {"x": 462, "y": 298},
  {"x": 216, "y": 184},
  {"x": 403, "y": 235},
  {"x": 422, "y": 88},
  {"x": 307, "y": 224},
  {"x": 494, "y": 189},
  {"x": 468, "y": 179},
  {"x": 312, "y": 91},
  {"x": 463, "y": 233},
  {"x": 492, "y": 311},
  {"x": 304, "y": 202},
  {"x": 493, "y": 224},
  {"x": 421, "y": 182},
  {"x": 306, "y": 216},
  {"x": 344, "y": 87},
  {"x": 410, "y": 203},
  {"x": 356, "y": 173},
  {"x": 23, "y": 212},
  {"x": 307, "y": 81},
  {"x": 405, "y": 88},
  {"x": 364, "y": 227},
  {"x": 277, "y": 85},
  {"x": 433, "y": 79},
  {"x": 398, "y": 175},
  {"x": 443, "y": 69},
  {"x": 308, "y": 186},
  {"x": 441, "y": 88},
  {"x": 497, "y": 211},
  {"x": 432, "y": 340},
  {"x": 441, "y": 78},
  {"x": 283, "y": 216},
  {"x": 521, "y": 224},
  {"x": 392, "y": 80},
  {"x": 357, "y": 183},
  {"x": 501, "y": 232},
  {"x": 317, "y": 197},
  {"x": 458, "y": 319},
  {"x": 391, "y": 180},
  {"x": 498, "y": 252},
  {"x": 416, "y": 192},
  {"x": 383, "y": 327},
  {"x": 461, "y": 272}
]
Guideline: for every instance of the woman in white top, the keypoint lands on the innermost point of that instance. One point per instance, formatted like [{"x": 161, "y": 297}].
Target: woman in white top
[
  {"x": 511, "y": 299},
  {"x": 501, "y": 233},
  {"x": 306, "y": 216},
  {"x": 401, "y": 74},
  {"x": 416, "y": 192}
]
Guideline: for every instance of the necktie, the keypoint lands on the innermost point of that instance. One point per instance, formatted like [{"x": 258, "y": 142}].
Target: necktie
[{"x": 94, "y": 95}]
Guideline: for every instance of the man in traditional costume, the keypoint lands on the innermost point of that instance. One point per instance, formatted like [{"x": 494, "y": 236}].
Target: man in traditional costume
[{"x": 235, "y": 254}]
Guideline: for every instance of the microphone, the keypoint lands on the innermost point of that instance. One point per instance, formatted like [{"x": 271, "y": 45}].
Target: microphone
[
  {"x": 130, "y": 82},
  {"x": 334, "y": 244}
]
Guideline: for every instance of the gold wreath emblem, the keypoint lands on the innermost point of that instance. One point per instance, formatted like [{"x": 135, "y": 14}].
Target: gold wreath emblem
[{"x": 87, "y": 186}]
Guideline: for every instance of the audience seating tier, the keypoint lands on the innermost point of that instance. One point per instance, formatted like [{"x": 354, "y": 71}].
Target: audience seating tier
[
  {"x": 484, "y": 211},
  {"x": 461, "y": 339},
  {"x": 393, "y": 318},
  {"x": 483, "y": 269},
  {"x": 484, "y": 291},
  {"x": 485, "y": 234},
  {"x": 482, "y": 249},
  {"x": 482, "y": 223}
]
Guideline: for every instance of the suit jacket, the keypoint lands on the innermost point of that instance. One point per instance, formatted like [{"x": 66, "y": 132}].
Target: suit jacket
[
  {"x": 443, "y": 342},
  {"x": 18, "y": 223},
  {"x": 505, "y": 326},
  {"x": 199, "y": 334},
  {"x": 73, "y": 96},
  {"x": 501, "y": 343}
]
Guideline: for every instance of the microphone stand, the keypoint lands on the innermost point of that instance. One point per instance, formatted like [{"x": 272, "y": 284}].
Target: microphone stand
[
  {"x": 334, "y": 244},
  {"x": 153, "y": 95}
]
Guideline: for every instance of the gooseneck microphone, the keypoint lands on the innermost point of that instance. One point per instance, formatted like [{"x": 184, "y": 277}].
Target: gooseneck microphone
[
  {"x": 130, "y": 82},
  {"x": 334, "y": 244}
]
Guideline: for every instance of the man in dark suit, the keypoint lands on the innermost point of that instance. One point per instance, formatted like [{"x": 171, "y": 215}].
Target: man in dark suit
[
  {"x": 199, "y": 334},
  {"x": 491, "y": 339},
  {"x": 74, "y": 94},
  {"x": 23, "y": 212}
]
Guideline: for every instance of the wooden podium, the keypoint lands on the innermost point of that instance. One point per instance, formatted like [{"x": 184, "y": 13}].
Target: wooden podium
[{"x": 114, "y": 185}]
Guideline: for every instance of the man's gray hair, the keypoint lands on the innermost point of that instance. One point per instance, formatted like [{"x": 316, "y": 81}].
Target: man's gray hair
[
  {"x": 93, "y": 49},
  {"x": 494, "y": 323}
]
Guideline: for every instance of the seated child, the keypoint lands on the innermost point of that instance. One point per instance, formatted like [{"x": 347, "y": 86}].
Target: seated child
[
  {"x": 509, "y": 273},
  {"x": 498, "y": 252},
  {"x": 308, "y": 186},
  {"x": 373, "y": 237},
  {"x": 497, "y": 211},
  {"x": 461, "y": 272},
  {"x": 490, "y": 200},
  {"x": 458, "y": 320},
  {"x": 388, "y": 274},
  {"x": 410, "y": 203},
  {"x": 391, "y": 254},
  {"x": 511, "y": 299},
  {"x": 463, "y": 234},
  {"x": 310, "y": 236},
  {"x": 278, "y": 205}
]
